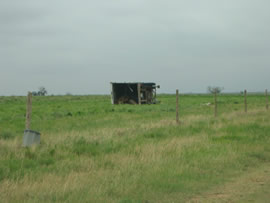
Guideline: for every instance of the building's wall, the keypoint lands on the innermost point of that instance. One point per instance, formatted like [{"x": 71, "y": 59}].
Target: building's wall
[{"x": 128, "y": 93}]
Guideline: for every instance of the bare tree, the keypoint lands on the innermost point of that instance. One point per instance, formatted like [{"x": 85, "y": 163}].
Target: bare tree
[
  {"x": 42, "y": 91},
  {"x": 215, "y": 90}
]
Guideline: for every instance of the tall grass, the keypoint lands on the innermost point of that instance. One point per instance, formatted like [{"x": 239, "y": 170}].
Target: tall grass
[{"x": 92, "y": 151}]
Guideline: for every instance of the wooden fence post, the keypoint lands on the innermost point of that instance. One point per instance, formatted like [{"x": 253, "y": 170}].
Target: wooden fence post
[
  {"x": 267, "y": 101},
  {"x": 215, "y": 95},
  {"x": 28, "y": 111},
  {"x": 245, "y": 93},
  {"x": 139, "y": 93},
  {"x": 177, "y": 106}
]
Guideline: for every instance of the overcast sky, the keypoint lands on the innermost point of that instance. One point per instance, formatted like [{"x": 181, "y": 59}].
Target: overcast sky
[{"x": 81, "y": 46}]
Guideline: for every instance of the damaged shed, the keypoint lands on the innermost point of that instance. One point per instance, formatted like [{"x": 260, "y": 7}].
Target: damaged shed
[{"x": 134, "y": 93}]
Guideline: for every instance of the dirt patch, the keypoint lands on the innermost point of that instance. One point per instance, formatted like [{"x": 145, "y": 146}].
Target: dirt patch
[{"x": 236, "y": 190}]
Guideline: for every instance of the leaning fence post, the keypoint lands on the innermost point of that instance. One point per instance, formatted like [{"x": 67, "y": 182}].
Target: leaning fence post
[
  {"x": 215, "y": 96},
  {"x": 245, "y": 93},
  {"x": 267, "y": 101},
  {"x": 28, "y": 111},
  {"x": 177, "y": 106}
]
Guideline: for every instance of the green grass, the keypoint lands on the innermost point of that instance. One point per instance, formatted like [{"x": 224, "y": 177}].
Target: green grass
[{"x": 93, "y": 151}]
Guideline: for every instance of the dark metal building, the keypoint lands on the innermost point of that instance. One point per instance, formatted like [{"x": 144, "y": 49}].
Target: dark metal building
[{"x": 134, "y": 93}]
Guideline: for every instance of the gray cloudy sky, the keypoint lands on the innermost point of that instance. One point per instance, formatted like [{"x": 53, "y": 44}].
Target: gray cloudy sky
[{"x": 80, "y": 46}]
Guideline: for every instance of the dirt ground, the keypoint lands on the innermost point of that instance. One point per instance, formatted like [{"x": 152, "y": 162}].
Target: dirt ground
[{"x": 253, "y": 186}]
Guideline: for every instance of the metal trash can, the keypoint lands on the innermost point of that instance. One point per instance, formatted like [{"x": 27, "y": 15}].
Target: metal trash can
[{"x": 31, "y": 137}]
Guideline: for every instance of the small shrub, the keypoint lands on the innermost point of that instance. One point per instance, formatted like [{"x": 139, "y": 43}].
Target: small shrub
[
  {"x": 81, "y": 146},
  {"x": 5, "y": 135},
  {"x": 52, "y": 152},
  {"x": 69, "y": 114}
]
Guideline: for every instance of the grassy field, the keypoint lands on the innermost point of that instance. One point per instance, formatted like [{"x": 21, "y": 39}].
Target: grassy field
[{"x": 92, "y": 151}]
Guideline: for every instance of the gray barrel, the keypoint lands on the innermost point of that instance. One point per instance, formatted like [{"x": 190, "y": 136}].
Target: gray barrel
[{"x": 30, "y": 137}]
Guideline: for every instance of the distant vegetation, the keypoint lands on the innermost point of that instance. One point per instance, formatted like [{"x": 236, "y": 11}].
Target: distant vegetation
[
  {"x": 214, "y": 90},
  {"x": 41, "y": 92}
]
